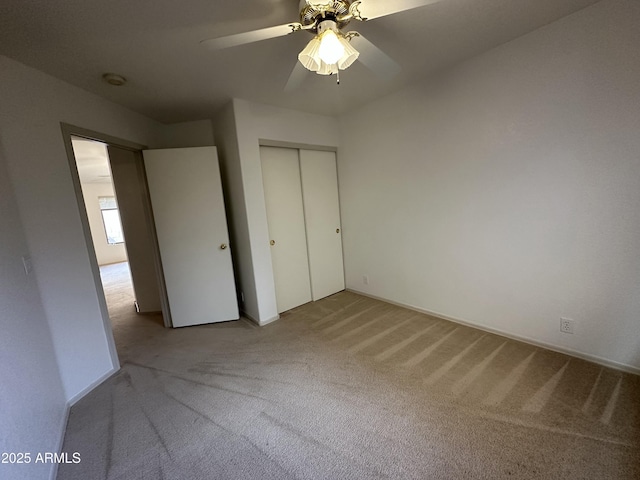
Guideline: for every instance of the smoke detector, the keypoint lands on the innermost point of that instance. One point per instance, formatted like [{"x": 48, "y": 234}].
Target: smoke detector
[{"x": 113, "y": 79}]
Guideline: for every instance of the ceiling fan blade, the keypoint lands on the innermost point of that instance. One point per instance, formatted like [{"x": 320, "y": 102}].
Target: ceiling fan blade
[
  {"x": 298, "y": 74},
  {"x": 250, "y": 37},
  {"x": 375, "y": 59},
  {"x": 370, "y": 9}
]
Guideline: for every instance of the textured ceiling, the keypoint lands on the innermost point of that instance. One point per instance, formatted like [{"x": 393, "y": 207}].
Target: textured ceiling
[{"x": 155, "y": 45}]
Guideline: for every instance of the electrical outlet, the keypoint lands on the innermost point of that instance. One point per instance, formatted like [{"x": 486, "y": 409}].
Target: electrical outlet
[
  {"x": 365, "y": 279},
  {"x": 567, "y": 325}
]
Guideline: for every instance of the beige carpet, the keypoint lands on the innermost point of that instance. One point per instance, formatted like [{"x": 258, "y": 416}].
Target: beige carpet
[{"x": 349, "y": 388}]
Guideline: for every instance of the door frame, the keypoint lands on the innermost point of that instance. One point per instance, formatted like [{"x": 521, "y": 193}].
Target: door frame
[{"x": 69, "y": 131}]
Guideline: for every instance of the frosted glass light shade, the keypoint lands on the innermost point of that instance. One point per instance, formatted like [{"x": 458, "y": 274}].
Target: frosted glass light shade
[
  {"x": 327, "y": 69},
  {"x": 349, "y": 56},
  {"x": 328, "y": 52},
  {"x": 309, "y": 56},
  {"x": 331, "y": 49}
]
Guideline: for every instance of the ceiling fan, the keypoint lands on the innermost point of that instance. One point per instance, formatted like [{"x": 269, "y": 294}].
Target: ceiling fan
[{"x": 330, "y": 50}]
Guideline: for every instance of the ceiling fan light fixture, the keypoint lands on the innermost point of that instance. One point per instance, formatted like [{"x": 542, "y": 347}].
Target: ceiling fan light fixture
[
  {"x": 320, "y": 3},
  {"x": 349, "y": 55},
  {"x": 309, "y": 56},
  {"x": 327, "y": 69},
  {"x": 331, "y": 49}
]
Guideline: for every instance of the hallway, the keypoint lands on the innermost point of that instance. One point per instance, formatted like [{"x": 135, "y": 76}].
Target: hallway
[{"x": 129, "y": 328}]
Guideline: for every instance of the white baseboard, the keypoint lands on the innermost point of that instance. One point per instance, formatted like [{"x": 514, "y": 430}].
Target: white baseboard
[
  {"x": 65, "y": 418},
  {"x": 73, "y": 400},
  {"x": 249, "y": 317},
  {"x": 63, "y": 429},
  {"x": 270, "y": 320},
  {"x": 258, "y": 322},
  {"x": 531, "y": 341}
]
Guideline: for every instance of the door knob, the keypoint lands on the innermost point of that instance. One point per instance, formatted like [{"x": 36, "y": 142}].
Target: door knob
[
  {"x": 223, "y": 246},
  {"x": 337, "y": 230},
  {"x": 272, "y": 243}
]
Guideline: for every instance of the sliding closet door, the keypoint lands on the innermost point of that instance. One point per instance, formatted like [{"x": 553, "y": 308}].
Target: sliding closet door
[
  {"x": 285, "y": 215},
  {"x": 322, "y": 217}
]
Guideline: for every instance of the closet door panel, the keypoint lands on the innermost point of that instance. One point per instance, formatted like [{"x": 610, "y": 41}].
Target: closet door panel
[
  {"x": 285, "y": 216},
  {"x": 322, "y": 218}
]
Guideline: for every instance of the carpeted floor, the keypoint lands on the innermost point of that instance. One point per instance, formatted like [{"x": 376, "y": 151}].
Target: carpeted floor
[{"x": 347, "y": 388}]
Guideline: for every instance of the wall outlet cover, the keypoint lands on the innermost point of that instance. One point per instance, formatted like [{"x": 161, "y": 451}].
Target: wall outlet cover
[{"x": 567, "y": 325}]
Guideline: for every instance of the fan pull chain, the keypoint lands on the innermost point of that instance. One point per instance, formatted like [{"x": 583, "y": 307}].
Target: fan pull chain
[{"x": 338, "y": 77}]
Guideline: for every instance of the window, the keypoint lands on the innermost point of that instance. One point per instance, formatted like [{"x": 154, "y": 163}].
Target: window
[{"x": 111, "y": 220}]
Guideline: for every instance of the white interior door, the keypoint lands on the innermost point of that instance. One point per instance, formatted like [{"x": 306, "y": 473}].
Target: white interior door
[
  {"x": 285, "y": 216},
  {"x": 322, "y": 218},
  {"x": 188, "y": 209}
]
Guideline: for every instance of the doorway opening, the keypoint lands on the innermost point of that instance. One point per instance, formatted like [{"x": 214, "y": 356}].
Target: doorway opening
[
  {"x": 107, "y": 235},
  {"x": 168, "y": 248},
  {"x": 113, "y": 203}
]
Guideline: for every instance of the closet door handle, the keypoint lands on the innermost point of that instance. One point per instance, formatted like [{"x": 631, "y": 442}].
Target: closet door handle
[
  {"x": 337, "y": 230},
  {"x": 223, "y": 246},
  {"x": 272, "y": 243}
]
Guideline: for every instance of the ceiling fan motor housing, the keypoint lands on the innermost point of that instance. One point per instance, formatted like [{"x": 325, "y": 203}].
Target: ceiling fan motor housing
[{"x": 314, "y": 12}]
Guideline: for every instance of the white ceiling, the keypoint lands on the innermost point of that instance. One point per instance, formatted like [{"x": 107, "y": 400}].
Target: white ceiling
[
  {"x": 155, "y": 45},
  {"x": 92, "y": 161}
]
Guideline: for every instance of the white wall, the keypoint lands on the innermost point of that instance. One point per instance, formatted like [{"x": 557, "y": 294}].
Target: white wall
[
  {"x": 233, "y": 189},
  {"x": 198, "y": 133},
  {"x": 105, "y": 252},
  {"x": 33, "y": 105},
  {"x": 32, "y": 400},
  {"x": 240, "y": 159},
  {"x": 506, "y": 193}
]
